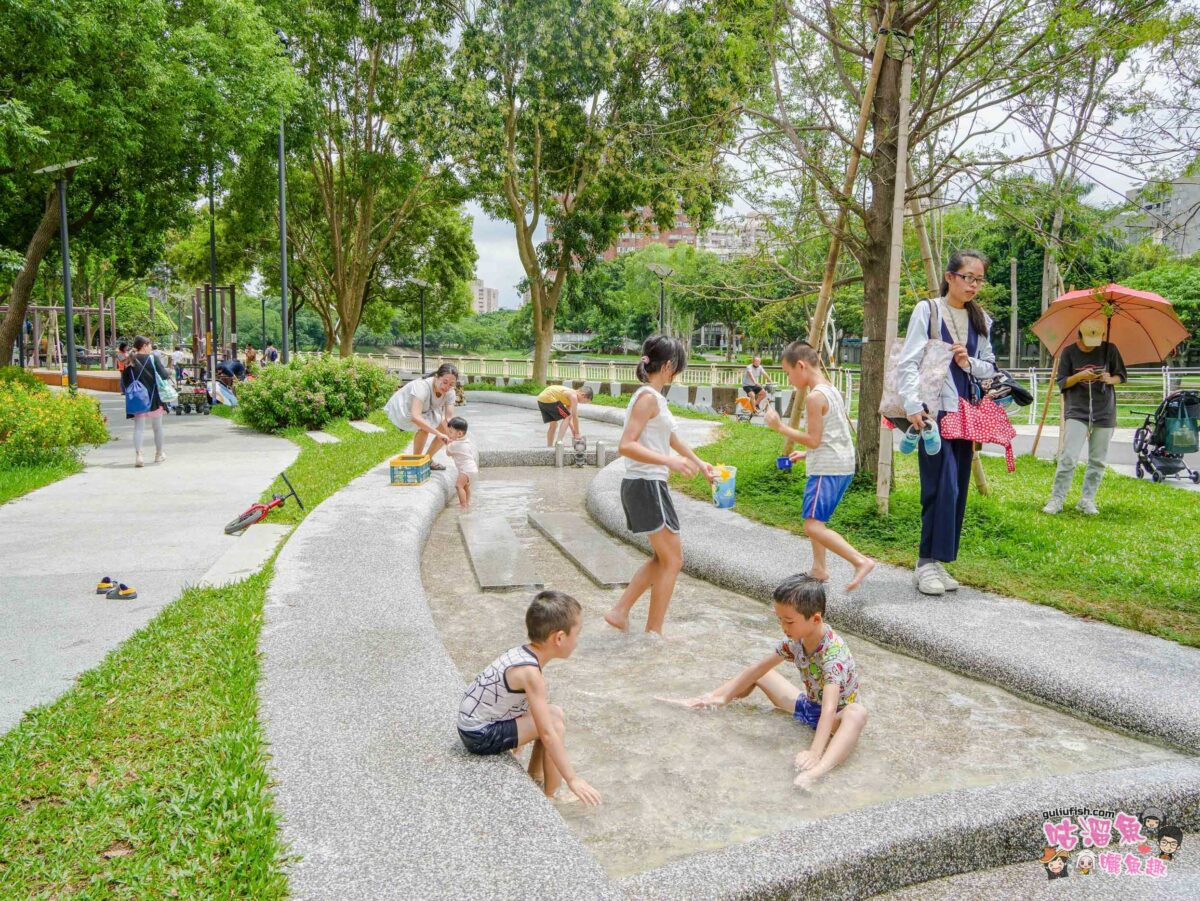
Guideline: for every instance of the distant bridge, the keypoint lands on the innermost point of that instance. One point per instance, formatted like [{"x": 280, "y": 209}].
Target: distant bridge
[{"x": 576, "y": 342}]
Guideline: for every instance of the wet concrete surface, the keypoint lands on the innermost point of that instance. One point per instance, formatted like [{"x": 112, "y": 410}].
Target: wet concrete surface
[{"x": 677, "y": 781}]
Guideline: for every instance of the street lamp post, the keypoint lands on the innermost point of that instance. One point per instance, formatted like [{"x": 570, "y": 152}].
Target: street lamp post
[
  {"x": 263, "y": 339},
  {"x": 422, "y": 285},
  {"x": 212, "y": 288},
  {"x": 663, "y": 272},
  {"x": 68, "y": 311},
  {"x": 283, "y": 253}
]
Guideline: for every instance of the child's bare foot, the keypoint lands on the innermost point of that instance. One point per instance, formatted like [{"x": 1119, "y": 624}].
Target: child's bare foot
[
  {"x": 860, "y": 572},
  {"x": 821, "y": 575},
  {"x": 617, "y": 620}
]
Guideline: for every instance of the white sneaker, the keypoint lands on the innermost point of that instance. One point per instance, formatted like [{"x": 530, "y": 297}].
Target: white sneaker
[
  {"x": 1054, "y": 505},
  {"x": 929, "y": 580},
  {"x": 1088, "y": 508},
  {"x": 160, "y": 458},
  {"x": 948, "y": 581},
  {"x": 138, "y": 462}
]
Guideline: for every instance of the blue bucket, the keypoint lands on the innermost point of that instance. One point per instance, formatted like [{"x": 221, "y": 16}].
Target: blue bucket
[{"x": 725, "y": 487}]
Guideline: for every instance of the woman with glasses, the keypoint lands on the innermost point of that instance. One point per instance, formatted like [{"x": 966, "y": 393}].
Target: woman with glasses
[{"x": 945, "y": 465}]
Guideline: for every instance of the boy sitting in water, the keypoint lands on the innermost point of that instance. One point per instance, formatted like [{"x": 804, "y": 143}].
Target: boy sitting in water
[
  {"x": 465, "y": 458},
  {"x": 507, "y": 705},
  {"x": 829, "y": 702}
]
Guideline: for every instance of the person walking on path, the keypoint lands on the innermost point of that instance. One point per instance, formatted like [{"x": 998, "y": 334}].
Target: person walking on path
[
  {"x": 946, "y": 468},
  {"x": 121, "y": 357},
  {"x": 146, "y": 367},
  {"x": 177, "y": 357},
  {"x": 251, "y": 358},
  {"x": 1088, "y": 372},
  {"x": 650, "y": 435},
  {"x": 425, "y": 406}
]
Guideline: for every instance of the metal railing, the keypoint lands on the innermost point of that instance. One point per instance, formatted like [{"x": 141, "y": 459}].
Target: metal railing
[{"x": 1146, "y": 385}]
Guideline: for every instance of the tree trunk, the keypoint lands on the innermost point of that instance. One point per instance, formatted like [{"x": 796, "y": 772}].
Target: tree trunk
[
  {"x": 885, "y": 121},
  {"x": 543, "y": 338},
  {"x": 1050, "y": 274},
  {"x": 729, "y": 345},
  {"x": 22, "y": 288}
]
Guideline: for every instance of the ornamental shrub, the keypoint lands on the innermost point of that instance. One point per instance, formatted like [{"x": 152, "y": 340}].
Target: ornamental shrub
[
  {"x": 11, "y": 374},
  {"x": 309, "y": 393},
  {"x": 38, "y": 426}
]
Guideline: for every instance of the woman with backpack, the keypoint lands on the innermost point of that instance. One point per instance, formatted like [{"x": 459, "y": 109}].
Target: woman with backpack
[
  {"x": 139, "y": 382},
  {"x": 945, "y": 464}
]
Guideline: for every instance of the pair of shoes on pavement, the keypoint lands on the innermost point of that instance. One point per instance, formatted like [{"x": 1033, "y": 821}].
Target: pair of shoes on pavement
[
  {"x": 932, "y": 579},
  {"x": 138, "y": 462},
  {"x": 1086, "y": 507},
  {"x": 111, "y": 588}
]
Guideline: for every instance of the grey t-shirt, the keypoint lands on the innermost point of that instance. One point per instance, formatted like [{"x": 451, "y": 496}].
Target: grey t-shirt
[{"x": 1091, "y": 402}]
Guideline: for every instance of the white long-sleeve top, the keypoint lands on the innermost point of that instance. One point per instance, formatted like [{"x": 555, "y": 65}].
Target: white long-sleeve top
[{"x": 983, "y": 364}]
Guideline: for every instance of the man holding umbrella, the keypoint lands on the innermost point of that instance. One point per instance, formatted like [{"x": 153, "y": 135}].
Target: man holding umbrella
[{"x": 1088, "y": 370}]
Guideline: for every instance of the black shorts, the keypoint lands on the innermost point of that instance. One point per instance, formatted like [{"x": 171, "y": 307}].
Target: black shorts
[
  {"x": 494, "y": 738},
  {"x": 753, "y": 389},
  {"x": 648, "y": 507},
  {"x": 553, "y": 412}
]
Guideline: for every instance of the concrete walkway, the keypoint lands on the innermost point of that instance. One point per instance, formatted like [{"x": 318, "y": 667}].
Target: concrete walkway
[{"x": 157, "y": 528}]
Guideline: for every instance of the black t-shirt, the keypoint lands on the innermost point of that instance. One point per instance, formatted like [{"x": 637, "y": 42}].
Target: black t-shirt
[{"x": 1091, "y": 402}]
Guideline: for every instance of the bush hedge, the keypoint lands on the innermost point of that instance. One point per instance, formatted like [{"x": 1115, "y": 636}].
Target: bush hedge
[
  {"x": 40, "y": 427},
  {"x": 311, "y": 392},
  {"x": 11, "y": 374}
]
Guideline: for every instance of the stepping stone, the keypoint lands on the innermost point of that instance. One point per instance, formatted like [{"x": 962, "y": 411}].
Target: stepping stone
[
  {"x": 605, "y": 561},
  {"x": 363, "y": 426},
  {"x": 496, "y": 553},
  {"x": 322, "y": 437}
]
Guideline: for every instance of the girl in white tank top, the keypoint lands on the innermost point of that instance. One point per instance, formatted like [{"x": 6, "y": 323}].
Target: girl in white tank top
[{"x": 650, "y": 435}]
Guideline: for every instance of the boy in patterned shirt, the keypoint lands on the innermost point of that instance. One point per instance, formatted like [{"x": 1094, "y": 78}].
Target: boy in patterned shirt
[{"x": 828, "y": 703}]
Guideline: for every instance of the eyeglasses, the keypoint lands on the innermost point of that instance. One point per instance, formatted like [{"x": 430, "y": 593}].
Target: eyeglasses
[{"x": 973, "y": 280}]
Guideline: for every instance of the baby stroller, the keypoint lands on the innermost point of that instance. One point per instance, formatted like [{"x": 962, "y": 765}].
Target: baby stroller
[{"x": 1167, "y": 434}]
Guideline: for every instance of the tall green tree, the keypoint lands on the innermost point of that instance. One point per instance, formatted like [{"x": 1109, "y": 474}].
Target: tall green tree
[
  {"x": 576, "y": 116},
  {"x": 373, "y": 195},
  {"x": 152, "y": 93},
  {"x": 969, "y": 63}
]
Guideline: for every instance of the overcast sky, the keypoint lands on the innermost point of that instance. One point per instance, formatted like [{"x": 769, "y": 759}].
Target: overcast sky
[{"x": 500, "y": 267}]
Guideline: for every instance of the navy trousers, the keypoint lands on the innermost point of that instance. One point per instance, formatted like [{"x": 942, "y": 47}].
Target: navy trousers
[{"x": 945, "y": 480}]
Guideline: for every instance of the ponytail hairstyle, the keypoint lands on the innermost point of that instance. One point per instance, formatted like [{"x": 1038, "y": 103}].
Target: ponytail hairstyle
[
  {"x": 974, "y": 310},
  {"x": 445, "y": 369},
  {"x": 657, "y": 351}
]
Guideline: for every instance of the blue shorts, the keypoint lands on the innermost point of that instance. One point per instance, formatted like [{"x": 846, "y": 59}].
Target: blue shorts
[
  {"x": 494, "y": 738},
  {"x": 822, "y": 494},
  {"x": 807, "y": 712}
]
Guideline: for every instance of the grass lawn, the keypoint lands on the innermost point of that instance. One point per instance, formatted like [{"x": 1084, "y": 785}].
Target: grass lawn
[
  {"x": 24, "y": 479},
  {"x": 148, "y": 778},
  {"x": 1134, "y": 565}
]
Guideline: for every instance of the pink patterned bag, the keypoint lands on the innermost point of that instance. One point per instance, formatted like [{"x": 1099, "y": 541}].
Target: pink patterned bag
[{"x": 984, "y": 422}]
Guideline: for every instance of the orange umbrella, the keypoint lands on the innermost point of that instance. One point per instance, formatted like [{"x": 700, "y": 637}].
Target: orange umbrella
[{"x": 1142, "y": 325}]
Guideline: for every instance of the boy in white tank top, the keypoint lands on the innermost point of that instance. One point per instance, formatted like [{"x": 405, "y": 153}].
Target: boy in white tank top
[{"x": 829, "y": 463}]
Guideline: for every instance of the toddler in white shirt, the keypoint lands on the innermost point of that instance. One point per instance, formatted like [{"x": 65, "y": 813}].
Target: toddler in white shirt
[{"x": 465, "y": 457}]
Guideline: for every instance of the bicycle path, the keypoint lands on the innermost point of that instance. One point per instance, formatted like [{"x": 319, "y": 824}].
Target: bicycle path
[{"x": 158, "y": 528}]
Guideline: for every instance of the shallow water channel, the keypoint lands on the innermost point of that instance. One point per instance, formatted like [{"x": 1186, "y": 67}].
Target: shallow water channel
[{"x": 678, "y": 781}]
